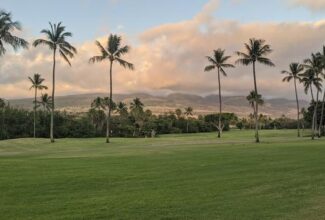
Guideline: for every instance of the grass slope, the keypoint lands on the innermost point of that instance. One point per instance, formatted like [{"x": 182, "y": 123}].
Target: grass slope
[{"x": 172, "y": 177}]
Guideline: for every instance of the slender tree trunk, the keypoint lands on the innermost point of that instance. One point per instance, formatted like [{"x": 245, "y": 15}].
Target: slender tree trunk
[
  {"x": 108, "y": 123},
  {"x": 35, "y": 112},
  {"x": 53, "y": 98},
  {"x": 313, "y": 121},
  {"x": 187, "y": 125},
  {"x": 220, "y": 106},
  {"x": 322, "y": 117},
  {"x": 298, "y": 108},
  {"x": 316, "y": 115},
  {"x": 256, "y": 106}
]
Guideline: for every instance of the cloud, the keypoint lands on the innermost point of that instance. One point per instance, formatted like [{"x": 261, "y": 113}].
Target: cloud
[
  {"x": 171, "y": 58},
  {"x": 314, "y": 5}
]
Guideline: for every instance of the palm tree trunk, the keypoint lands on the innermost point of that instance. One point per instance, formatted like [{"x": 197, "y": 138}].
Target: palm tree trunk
[
  {"x": 53, "y": 97},
  {"x": 322, "y": 117},
  {"x": 187, "y": 125},
  {"x": 110, "y": 102},
  {"x": 35, "y": 112},
  {"x": 220, "y": 106},
  {"x": 313, "y": 121},
  {"x": 298, "y": 108},
  {"x": 316, "y": 115},
  {"x": 256, "y": 106}
]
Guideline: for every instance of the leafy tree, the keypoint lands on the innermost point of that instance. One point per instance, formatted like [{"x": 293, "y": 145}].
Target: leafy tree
[
  {"x": 112, "y": 53},
  {"x": 294, "y": 74},
  {"x": 7, "y": 29},
  {"x": 55, "y": 40},
  {"x": 37, "y": 84},
  {"x": 256, "y": 51},
  {"x": 219, "y": 61}
]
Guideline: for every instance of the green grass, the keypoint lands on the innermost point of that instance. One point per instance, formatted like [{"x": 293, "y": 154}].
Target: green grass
[{"x": 171, "y": 177}]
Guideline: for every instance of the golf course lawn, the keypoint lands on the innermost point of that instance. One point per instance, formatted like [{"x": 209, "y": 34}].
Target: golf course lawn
[{"x": 171, "y": 177}]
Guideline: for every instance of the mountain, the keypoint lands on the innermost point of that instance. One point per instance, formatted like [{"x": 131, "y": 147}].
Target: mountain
[{"x": 161, "y": 104}]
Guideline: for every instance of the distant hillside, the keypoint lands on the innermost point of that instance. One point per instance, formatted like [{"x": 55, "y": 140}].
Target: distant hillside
[{"x": 162, "y": 104}]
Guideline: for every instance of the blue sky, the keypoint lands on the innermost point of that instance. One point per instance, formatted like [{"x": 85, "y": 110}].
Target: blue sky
[{"x": 88, "y": 20}]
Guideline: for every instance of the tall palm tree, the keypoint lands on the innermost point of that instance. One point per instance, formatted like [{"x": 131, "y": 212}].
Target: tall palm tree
[
  {"x": 7, "y": 30},
  {"x": 312, "y": 77},
  {"x": 294, "y": 74},
  {"x": 188, "y": 112},
  {"x": 56, "y": 40},
  {"x": 256, "y": 51},
  {"x": 219, "y": 61},
  {"x": 46, "y": 102},
  {"x": 112, "y": 53},
  {"x": 37, "y": 84},
  {"x": 321, "y": 56}
]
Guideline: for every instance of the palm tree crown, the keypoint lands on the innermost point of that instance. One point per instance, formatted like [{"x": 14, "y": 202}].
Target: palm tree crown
[
  {"x": 7, "y": 27},
  {"x": 218, "y": 61},
  {"x": 46, "y": 101},
  {"x": 256, "y": 50},
  {"x": 56, "y": 40},
  {"x": 294, "y": 73},
  {"x": 113, "y": 52},
  {"x": 37, "y": 82},
  {"x": 253, "y": 97},
  {"x": 188, "y": 111}
]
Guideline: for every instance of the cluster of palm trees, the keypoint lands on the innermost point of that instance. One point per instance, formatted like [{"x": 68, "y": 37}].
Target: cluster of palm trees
[
  {"x": 55, "y": 38},
  {"x": 256, "y": 51},
  {"x": 311, "y": 73}
]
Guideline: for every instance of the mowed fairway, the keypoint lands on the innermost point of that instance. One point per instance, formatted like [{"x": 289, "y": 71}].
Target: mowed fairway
[{"x": 171, "y": 177}]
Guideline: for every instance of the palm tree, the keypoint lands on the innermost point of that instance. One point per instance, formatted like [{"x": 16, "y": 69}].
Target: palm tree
[
  {"x": 137, "y": 112},
  {"x": 98, "y": 104},
  {"x": 219, "y": 62},
  {"x": 46, "y": 102},
  {"x": 310, "y": 78},
  {"x": 294, "y": 73},
  {"x": 37, "y": 84},
  {"x": 313, "y": 70},
  {"x": 7, "y": 29},
  {"x": 178, "y": 113},
  {"x": 253, "y": 98},
  {"x": 122, "y": 109},
  {"x": 57, "y": 42},
  {"x": 322, "y": 63},
  {"x": 256, "y": 51},
  {"x": 188, "y": 112},
  {"x": 112, "y": 52}
]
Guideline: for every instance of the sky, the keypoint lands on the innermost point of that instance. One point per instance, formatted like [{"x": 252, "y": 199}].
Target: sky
[{"x": 169, "y": 39}]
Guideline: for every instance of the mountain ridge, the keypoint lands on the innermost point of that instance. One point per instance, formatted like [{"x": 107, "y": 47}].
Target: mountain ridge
[{"x": 274, "y": 107}]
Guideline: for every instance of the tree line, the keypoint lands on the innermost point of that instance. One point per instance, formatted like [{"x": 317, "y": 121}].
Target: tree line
[
  {"x": 311, "y": 73},
  {"x": 128, "y": 120}
]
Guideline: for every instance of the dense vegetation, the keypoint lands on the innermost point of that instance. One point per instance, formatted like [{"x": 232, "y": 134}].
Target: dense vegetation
[{"x": 134, "y": 121}]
